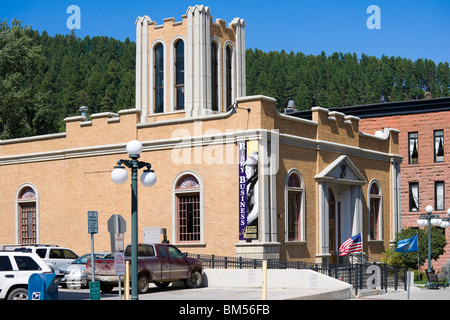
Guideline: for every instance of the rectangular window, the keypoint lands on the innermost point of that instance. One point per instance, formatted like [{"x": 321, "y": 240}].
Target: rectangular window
[
  {"x": 28, "y": 223},
  {"x": 189, "y": 217},
  {"x": 413, "y": 197},
  {"x": 439, "y": 199},
  {"x": 374, "y": 218},
  {"x": 294, "y": 207},
  {"x": 159, "y": 78},
  {"x": 179, "y": 75},
  {"x": 439, "y": 146},
  {"x": 413, "y": 147}
]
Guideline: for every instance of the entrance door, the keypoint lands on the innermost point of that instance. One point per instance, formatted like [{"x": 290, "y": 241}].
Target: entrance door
[{"x": 331, "y": 225}]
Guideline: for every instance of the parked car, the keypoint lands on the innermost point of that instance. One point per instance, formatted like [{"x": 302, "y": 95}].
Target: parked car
[
  {"x": 15, "y": 270},
  {"x": 159, "y": 263},
  {"x": 75, "y": 272},
  {"x": 53, "y": 255}
]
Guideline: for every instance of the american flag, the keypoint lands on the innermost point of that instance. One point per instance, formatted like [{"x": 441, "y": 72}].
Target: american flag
[{"x": 353, "y": 244}]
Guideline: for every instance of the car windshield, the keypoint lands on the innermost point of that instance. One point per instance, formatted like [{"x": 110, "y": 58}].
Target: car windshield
[{"x": 84, "y": 258}]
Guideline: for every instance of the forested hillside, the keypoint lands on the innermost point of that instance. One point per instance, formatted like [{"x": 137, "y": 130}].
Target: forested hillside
[
  {"x": 44, "y": 79},
  {"x": 342, "y": 79}
]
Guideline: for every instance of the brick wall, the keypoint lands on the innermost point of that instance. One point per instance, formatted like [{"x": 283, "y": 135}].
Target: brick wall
[{"x": 426, "y": 172}]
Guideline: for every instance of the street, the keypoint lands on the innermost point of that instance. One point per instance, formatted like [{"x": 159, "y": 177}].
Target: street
[{"x": 179, "y": 293}]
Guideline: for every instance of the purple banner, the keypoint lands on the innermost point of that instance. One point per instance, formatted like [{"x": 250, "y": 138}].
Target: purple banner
[
  {"x": 242, "y": 190},
  {"x": 248, "y": 190}
]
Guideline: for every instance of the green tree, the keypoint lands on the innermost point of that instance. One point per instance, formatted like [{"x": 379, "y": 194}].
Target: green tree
[
  {"x": 410, "y": 259},
  {"x": 20, "y": 61}
]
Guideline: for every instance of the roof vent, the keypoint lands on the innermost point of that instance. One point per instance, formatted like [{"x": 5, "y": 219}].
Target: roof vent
[
  {"x": 290, "y": 107},
  {"x": 83, "y": 111}
]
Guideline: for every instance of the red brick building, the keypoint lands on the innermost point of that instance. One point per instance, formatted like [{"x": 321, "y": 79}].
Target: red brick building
[{"x": 424, "y": 144}]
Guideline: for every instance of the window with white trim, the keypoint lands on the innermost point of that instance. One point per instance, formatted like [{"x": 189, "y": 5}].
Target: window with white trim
[
  {"x": 179, "y": 75},
  {"x": 188, "y": 210},
  {"x": 27, "y": 211},
  {"x": 294, "y": 195},
  {"x": 375, "y": 211},
  {"x": 159, "y": 77}
]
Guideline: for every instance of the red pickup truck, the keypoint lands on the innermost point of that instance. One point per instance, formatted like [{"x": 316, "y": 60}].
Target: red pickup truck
[{"x": 159, "y": 263}]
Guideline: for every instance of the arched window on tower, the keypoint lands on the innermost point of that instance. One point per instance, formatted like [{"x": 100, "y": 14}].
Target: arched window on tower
[
  {"x": 159, "y": 77},
  {"x": 228, "y": 75},
  {"x": 215, "y": 76},
  {"x": 179, "y": 75}
]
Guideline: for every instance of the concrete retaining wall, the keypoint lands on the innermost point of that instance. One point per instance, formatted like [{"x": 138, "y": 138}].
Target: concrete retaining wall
[{"x": 283, "y": 279}]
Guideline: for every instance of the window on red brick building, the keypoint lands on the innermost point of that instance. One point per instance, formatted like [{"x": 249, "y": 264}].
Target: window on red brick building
[
  {"x": 413, "y": 196},
  {"x": 413, "y": 147},
  {"x": 438, "y": 146},
  {"x": 439, "y": 202}
]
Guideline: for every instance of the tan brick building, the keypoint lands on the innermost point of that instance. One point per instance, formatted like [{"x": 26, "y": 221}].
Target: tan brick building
[
  {"x": 423, "y": 144},
  {"x": 318, "y": 181}
]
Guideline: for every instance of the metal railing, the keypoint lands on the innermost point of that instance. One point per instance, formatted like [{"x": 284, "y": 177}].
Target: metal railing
[{"x": 357, "y": 274}]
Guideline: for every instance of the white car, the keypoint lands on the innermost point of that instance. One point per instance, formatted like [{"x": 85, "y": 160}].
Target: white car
[
  {"x": 75, "y": 272},
  {"x": 15, "y": 271},
  {"x": 54, "y": 256}
]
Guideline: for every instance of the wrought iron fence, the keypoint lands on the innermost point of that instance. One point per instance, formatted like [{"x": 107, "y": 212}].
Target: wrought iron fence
[{"x": 359, "y": 275}]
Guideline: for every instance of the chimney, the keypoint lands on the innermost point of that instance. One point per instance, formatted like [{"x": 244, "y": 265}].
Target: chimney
[
  {"x": 382, "y": 99},
  {"x": 83, "y": 111},
  {"x": 290, "y": 107}
]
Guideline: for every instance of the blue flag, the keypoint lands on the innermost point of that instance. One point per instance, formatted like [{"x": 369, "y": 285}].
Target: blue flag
[{"x": 407, "y": 245}]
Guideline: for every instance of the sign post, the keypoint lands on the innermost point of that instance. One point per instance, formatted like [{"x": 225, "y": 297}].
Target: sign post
[
  {"x": 119, "y": 265},
  {"x": 94, "y": 286},
  {"x": 117, "y": 226}
]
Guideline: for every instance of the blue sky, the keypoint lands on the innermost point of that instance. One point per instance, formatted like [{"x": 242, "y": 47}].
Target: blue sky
[{"x": 409, "y": 28}]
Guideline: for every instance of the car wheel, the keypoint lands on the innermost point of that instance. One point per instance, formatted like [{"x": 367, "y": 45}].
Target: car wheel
[
  {"x": 143, "y": 283},
  {"x": 18, "y": 294},
  {"x": 106, "y": 288},
  {"x": 194, "y": 281},
  {"x": 162, "y": 284}
]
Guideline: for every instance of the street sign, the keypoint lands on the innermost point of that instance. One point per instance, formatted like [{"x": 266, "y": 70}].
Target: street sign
[
  {"x": 119, "y": 263},
  {"x": 116, "y": 225},
  {"x": 94, "y": 290},
  {"x": 92, "y": 222},
  {"x": 118, "y": 241}
]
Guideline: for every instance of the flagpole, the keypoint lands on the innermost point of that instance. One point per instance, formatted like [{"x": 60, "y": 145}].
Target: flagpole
[{"x": 418, "y": 260}]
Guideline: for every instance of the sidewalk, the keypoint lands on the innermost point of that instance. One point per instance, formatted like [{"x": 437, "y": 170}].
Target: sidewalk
[
  {"x": 174, "y": 293},
  {"x": 417, "y": 292}
]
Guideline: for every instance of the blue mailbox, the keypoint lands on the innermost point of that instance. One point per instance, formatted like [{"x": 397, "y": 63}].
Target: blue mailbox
[{"x": 43, "y": 286}]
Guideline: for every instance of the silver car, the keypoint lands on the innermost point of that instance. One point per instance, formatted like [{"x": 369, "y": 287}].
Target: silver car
[{"x": 75, "y": 272}]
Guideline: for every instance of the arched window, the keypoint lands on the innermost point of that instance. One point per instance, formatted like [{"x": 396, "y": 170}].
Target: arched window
[
  {"x": 294, "y": 206},
  {"x": 188, "y": 210},
  {"x": 375, "y": 211},
  {"x": 27, "y": 215},
  {"x": 159, "y": 77},
  {"x": 215, "y": 76},
  {"x": 179, "y": 75},
  {"x": 229, "y": 75}
]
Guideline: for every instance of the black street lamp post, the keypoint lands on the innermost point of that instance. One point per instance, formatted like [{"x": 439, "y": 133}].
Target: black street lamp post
[{"x": 119, "y": 176}]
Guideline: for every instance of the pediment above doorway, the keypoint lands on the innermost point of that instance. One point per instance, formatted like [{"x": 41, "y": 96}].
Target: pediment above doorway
[{"x": 342, "y": 170}]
